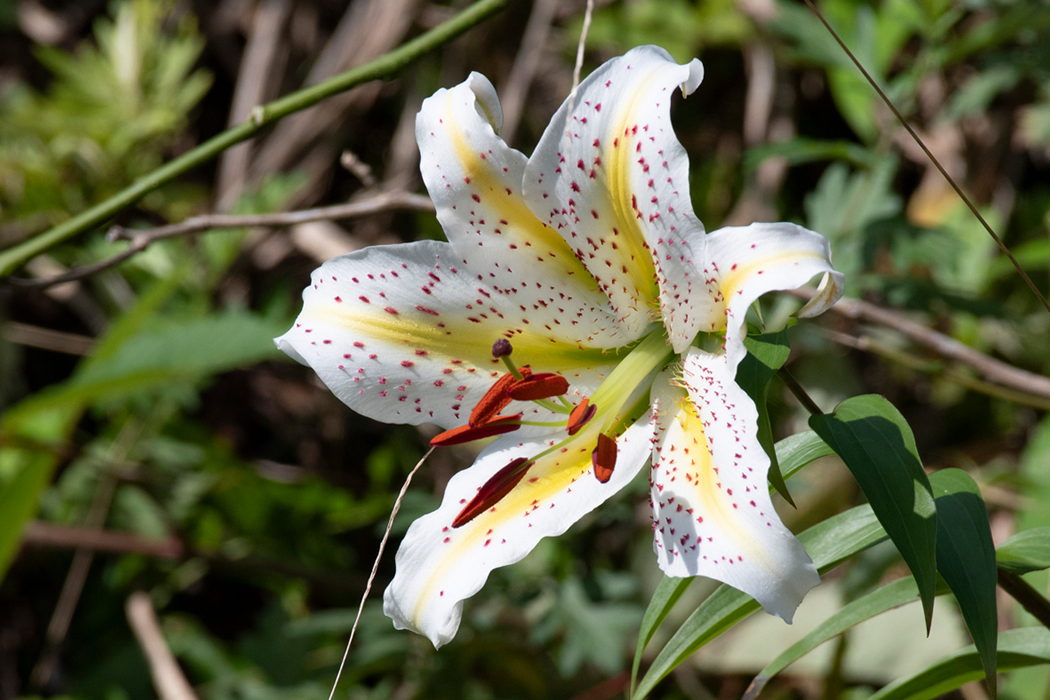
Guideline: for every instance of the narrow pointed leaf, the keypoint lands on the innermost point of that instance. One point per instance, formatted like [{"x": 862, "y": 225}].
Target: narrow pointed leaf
[
  {"x": 878, "y": 447},
  {"x": 828, "y": 543},
  {"x": 966, "y": 559},
  {"x": 892, "y": 595},
  {"x": 800, "y": 449},
  {"x": 1018, "y": 648},
  {"x": 1028, "y": 550},
  {"x": 765, "y": 355},
  {"x": 664, "y": 598}
]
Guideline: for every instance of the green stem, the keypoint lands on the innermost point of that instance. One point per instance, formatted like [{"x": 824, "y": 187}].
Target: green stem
[
  {"x": 795, "y": 388},
  {"x": 381, "y": 68},
  {"x": 1029, "y": 598}
]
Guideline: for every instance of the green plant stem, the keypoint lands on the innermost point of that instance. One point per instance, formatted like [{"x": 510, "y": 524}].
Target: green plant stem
[
  {"x": 381, "y": 68},
  {"x": 795, "y": 388},
  {"x": 1029, "y": 598}
]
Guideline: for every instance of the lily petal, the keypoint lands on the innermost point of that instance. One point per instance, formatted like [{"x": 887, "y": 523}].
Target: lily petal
[
  {"x": 745, "y": 262},
  {"x": 613, "y": 180},
  {"x": 403, "y": 334},
  {"x": 475, "y": 179},
  {"x": 712, "y": 514},
  {"x": 439, "y": 565}
]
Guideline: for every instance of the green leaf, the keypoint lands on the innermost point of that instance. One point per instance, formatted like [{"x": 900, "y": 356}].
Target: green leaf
[
  {"x": 878, "y": 447},
  {"x": 1028, "y": 550},
  {"x": 828, "y": 543},
  {"x": 1018, "y": 648},
  {"x": 892, "y": 595},
  {"x": 798, "y": 450},
  {"x": 966, "y": 559},
  {"x": 664, "y": 598},
  {"x": 30, "y": 447},
  {"x": 766, "y": 354}
]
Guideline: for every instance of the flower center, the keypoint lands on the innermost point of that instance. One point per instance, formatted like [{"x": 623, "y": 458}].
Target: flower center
[{"x": 597, "y": 419}]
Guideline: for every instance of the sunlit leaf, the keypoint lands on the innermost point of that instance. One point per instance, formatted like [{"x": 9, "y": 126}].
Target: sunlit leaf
[
  {"x": 1028, "y": 550},
  {"x": 1018, "y": 648}
]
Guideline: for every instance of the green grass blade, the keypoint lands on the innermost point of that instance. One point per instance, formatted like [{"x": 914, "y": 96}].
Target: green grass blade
[
  {"x": 1017, "y": 649},
  {"x": 664, "y": 598}
]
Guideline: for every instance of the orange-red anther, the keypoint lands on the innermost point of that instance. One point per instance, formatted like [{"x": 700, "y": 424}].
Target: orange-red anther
[
  {"x": 583, "y": 412},
  {"x": 604, "y": 458},
  {"x": 539, "y": 386},
  {"x": 495, "y": 399},
  {"x": 493, "y": 491},
  {"x": 468, "y": 433}
]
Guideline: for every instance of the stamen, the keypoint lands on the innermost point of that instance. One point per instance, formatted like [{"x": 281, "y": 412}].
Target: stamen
[
  {"x": 583, "y": 412},
  {"x": 539, "y": 386},
  {"x": 493, "y": 491},
  {"x": 604, "y": 458},
  {"x": 495, "y": 399},
  {"x": 469, "y": 433}
]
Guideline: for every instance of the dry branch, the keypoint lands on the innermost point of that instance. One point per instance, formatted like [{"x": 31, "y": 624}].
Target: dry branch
[
  {"x": 992, "y": 369},
  {"x": 142, "y": 238}
]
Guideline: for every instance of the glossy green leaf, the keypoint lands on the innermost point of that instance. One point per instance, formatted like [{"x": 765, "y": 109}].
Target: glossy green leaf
[
  {"x": 1018, "y": 648},
  {"x": 828, "y": 543},
  {"x": 766, "y": 354},
  {"x": 966, "y": 559},
  {"x": 878, "y": 447},
  {"x": 892, "y": 595},
  {"x": 664, "y": 598},
  {"x": 1028, "y": 550},
  {"x": 800, "y": 449}
]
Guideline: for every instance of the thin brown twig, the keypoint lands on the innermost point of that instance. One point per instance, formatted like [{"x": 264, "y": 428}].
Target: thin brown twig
[
  {"x": 525, "y": 65},
  {"x": 587, "y": 14},
  {"x": 168, "y": 679},
  {"x": 866, "y": 344},
  {"x": 73, "y": 585},
  {"x": 142, "y": 239},
  {"x": 375, "y": 566},
  {"x": 44, "y": 534},
  {"x": 993, "y": 370},
  {"x": 933, "y": 159}
]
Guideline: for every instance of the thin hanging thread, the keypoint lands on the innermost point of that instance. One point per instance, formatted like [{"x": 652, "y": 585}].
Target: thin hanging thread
[
  {"x": 375, "y": 567},
  {"x": 933, "y": 159}
]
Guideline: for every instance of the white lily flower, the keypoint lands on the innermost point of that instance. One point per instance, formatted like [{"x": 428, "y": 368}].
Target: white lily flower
[{"x": 587, "y": 262}]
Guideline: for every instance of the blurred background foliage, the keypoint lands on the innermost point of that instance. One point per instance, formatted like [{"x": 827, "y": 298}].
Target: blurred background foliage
[{"x": 148, "y": 401}]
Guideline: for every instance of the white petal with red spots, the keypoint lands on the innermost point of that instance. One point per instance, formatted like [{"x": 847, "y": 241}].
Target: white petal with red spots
[
  {"x": 438, "y": 566},
  {"x": 475, "y": 180},
  {"x": 744, "y": 262},
  {"x": 613, "y": 180},
  {"x": 712, "y": 514},
  {"x": 403, "y": 334}
]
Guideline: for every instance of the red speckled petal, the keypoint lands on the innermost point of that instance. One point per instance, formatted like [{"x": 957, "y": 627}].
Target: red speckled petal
[
  {"x": 613, "y": 180},
  {"x": 403, "y": 334},
  {"x": 712, "y": 514},
  {"x": 745, "y": 262},
  {"x": 438, "y": 565},
  {"x": 475, "y": 181}
]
